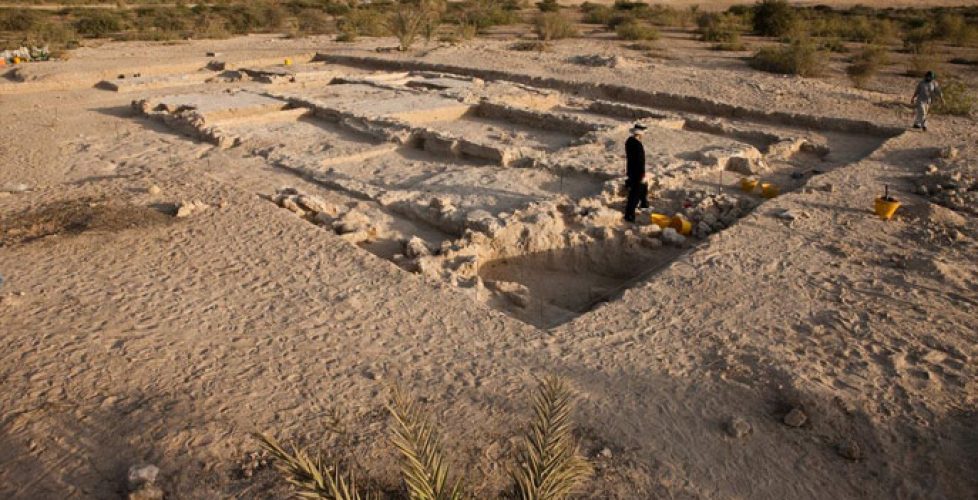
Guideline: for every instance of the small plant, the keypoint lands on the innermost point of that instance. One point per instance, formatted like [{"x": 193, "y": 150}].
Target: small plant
[
  {"x": 553, "y": 26},
  {"x": 548, "y": 6},
  {"x": 800, "y": 57},
  {"x": 865, "y": 65},
  {"x": 549, "y": 466},
  {"x": 596, "y": 13},
  {"x": 923, "y": 59},
  {"x": 774, "y": 18},
  {"x": 363, "y": 22},
  {"x": 99, "y": 23},
  {"x": 958, "y": 100},
  {"x": 635, "y": 30}
]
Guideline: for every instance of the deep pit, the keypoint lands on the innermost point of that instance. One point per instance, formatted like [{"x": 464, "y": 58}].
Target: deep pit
[{"x": 510, "y": 192}]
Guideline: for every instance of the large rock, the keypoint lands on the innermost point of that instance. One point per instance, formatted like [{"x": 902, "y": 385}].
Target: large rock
[
  {"x": 351, "y": 222},
  {"x": 672, "y": 237}
]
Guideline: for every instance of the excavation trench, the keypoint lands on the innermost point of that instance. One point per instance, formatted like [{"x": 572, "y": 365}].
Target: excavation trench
[{"x": 510, "y": 193}]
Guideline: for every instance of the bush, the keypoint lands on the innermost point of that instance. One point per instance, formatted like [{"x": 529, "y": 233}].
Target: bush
[
  {"x": 54, "y": 34},
  {"x": 634, "y": 30},
  {"x": 18, "y": 20},
  {"x": 362, "y": 22},
  {"x": 774, "y": 18},
  {"x": 312, "y": 21},
  {"x": 548, "y": 6},
  {"x": 553, "y": 26},
  {"x": 99, "y": 23},
  {"x": 596, "y": 14},
  {"x": 923, "y": 59},
  {"x": 484, "y": 14},
  {"x": 408, "y": 20},
  {"x": 956, "y": 30},
  {"x": 958, "y": 99},
  {"x": 721, "y": 28},
  {"x": 866, "y": 64},
  {"x": 800, "y": 57}
]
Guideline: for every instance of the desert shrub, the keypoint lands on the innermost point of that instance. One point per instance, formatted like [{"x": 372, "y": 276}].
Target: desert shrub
[
  {"x": 98, "y": 23},
  {"x": 164, "y": 19},
  {"x": 483, "y": 14},
  {"x": 548, "y": 463},
  {"x": 18, "y": 19},
  {"x": 866, "y": 64},
  {"x": 596, "y": 13},
  {"x": 664, "y": 15},
  {"x": 53, "y": 34},
  {"x": 548, "y": 6},
  {"x": 362, "y": 22},
  {"x": 313, "y": 21},
  {"x": 956, "y": 30},
  {"x": 252, "y": 17},
  {"x": 958, "y": 99},
  {"x": 774, "y": 18},
  {"x": 634, "y": 30},
  {"x": 800, "y": 57},
  {"x": 923, "y": 59},
  {"x": 408, "y": 20},
  {"x": 553, "y": 26},
  {"x": 722, "y": 28}
]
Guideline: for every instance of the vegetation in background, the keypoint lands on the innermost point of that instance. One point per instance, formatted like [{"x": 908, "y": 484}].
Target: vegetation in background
[
  {"x": 723, "y": 29},
  {"x": 866, "y": 64},
  {"x": 801, "y": 57},
  {"x": 549, "y": 465},
  {"x": 635, "y": 30},
  {"x": 958, "y": 99},
  {"x": 553, "y": 26}
]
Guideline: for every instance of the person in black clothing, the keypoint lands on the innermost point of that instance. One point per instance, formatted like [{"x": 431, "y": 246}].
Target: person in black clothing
[{"x": 638, "y": 190}]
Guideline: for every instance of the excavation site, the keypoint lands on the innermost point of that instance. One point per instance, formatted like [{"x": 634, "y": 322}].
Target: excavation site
[
  {"x": 488, "y": 249},
  {"x": 509, "y": 192}
]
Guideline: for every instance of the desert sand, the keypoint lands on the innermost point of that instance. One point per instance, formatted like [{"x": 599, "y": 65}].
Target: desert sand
[{"x": 194, "y": 248}]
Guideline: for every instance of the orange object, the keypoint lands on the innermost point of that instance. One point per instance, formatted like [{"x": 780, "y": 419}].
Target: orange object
[
  {"x": 769, "y": 190},
  {"x": 16, "y": 60},
  {"x": 681, "y": 225},
  {"x": 660, "y": 220},
  {"x": 885, "y": 207},
  {"x": 747, "y": 184}
]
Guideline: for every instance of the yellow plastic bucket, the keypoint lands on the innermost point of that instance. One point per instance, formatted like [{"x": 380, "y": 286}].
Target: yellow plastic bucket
[
  {"x": 885, "y": 208},
  {"x": 747, "y": 185},
  {"x": 660, "y": 220},
  {"x": 288, "y": 62},
  {"x": 16, "y": 60},
  {"x": 681, "y": 225},
  {"x": 769, "y": 190}
]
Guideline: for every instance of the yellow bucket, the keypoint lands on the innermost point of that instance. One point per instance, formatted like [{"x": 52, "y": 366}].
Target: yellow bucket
[
  {"x": 660, "y": 220},
  {"x": 747, "y": 185},
  {"x": 16, "y": 60},
  {"x": 885, "y": 208},
  {"x": 681, "y": 225},
  {"x": 288, "y": 62},
  {"x": 769, "y": 190}
]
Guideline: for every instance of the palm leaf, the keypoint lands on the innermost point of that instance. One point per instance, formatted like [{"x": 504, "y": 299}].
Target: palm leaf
[
  {"x": 422, "y": 461},
  {"x": 550, "y": 467},
  {"x": 309, "y": 476}
]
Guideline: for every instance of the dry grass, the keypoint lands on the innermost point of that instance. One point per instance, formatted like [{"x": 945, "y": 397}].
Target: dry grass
[
  {"x": 800, "y": 57},
  {"x": 865, "y": 65},
  {"x": 310, "y": 477},
  {"x": 553, "y": 26},
  {"x": 423, "y": 465}
]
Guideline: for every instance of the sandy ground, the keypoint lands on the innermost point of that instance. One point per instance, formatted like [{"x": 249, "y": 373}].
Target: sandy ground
[{"x": 129, "y": 337}]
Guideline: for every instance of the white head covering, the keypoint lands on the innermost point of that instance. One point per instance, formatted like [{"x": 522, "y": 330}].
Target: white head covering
[{"x": 638, "y": 128}]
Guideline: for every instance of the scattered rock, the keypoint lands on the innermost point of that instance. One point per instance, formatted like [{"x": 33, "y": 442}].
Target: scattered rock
[
  {"x": 148, "y": 492},
  {"x": 140, "y": 475},
  {"x": 849, "y": 449},
  {"x": 315, "y": 204},
  {"x": 786, "y": 214},
  {"x": 290, "y": 203},
  {"x": 948, "y": 153},
  {"x": 351, "y": 222},
  {"x": 738, "y": 427},
  {"x": 671, "y": 236},
  {"x": 416, "y": 247},
  {"x": 742, "y": 165},
  {"x": 16, "y": 188},
  {"x": 605, "y": 453},
  {"x": 154, "y": 190},
  {"x": 188, "y": 208},
  {"x": 795, "y": 418}
]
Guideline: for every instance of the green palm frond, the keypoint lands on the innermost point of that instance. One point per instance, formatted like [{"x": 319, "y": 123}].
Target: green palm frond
[
  {"x": 550, "y": 467},
  {"x": 311, "y": 478},
  {"x": 422, "y": 461}
]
